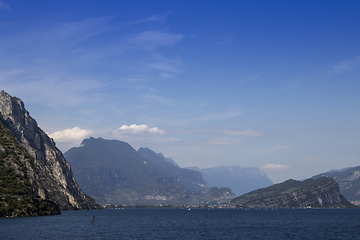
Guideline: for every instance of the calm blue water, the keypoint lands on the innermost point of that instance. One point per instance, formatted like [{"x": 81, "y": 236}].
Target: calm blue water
[{"x": 184, "y": 224}]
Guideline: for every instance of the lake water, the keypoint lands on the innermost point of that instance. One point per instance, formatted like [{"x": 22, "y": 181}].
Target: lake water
[{"x": 184, "y": 224}]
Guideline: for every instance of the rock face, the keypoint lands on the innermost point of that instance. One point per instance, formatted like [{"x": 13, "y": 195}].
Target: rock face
[
  {"x": 349, "y": 182},
  {"x": 189, "y": 179},
  {"x": 321, "y": 192},
  {"x": 49, "y": 173},
  {"x": 239, "y": 180},
  {"x": 113, "y": 172}
]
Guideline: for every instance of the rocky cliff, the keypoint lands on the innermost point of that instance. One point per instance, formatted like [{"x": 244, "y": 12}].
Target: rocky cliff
[
  {"x": 349, "y": 182},
  {"x": 48, "y": 173},
  {"x": 321, "y": 192}
]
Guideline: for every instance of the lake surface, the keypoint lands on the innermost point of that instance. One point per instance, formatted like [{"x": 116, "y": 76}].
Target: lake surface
[{"x": 184, "y": 224}]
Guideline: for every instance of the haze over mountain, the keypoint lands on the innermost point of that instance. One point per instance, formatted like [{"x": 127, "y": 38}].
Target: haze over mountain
[
  {"x": 239, "y": 180},
  {"x": 115, "y": 173}
]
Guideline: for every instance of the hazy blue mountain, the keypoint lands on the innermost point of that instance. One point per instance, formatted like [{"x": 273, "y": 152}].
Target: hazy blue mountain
[
  {"x": 348, "y": 180},
  {"x": 113, "y": 172},
  {"x": 239, "y": 180},
  {"x": 321, "y": 192}
]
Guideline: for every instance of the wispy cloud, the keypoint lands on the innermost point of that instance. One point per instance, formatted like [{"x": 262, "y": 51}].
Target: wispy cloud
[
  {"x": 166, "y": 65},
  {"x": 222, "y": 141},
  {"x": 47, "y": 61},
  {"x": 226, "y": 40},
  {"x": 227, "y": 131},
  {"x": 346, "y": 66},
  {"x": 4, "y": 6},
  {"x": 250, "y": 79},
  {"x": 151, "y": 98},
  {"x": 267, "y": 150},
  {"x": 153, "y": 18},
  {"x": 149, "y": 40},
  {"x": 222, "y": 115},
  {"x": 275, "y": 167},
  {"x": 52, "y": 88}
]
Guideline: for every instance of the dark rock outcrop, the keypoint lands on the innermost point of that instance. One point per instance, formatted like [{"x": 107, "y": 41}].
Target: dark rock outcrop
[
  {"x": 322, "y": 192},
  {"x": 49, "y": 174}
]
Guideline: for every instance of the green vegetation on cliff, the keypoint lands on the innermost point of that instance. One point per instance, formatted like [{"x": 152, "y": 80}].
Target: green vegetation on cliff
[
  {"x": 32, "y": 165},
  {"x": 16, "y": 196}
]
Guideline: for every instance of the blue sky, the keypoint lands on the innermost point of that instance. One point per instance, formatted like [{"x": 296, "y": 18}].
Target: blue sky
[{"x": 268, "y": 84}]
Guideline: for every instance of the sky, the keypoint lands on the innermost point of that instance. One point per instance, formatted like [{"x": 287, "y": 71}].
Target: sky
[{"x": 267, "y": 84}]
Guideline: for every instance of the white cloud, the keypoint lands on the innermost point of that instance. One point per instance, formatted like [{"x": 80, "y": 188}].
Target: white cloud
[
  {"x": 69, "y": 135},
  {"x": 141, "y": 129},
  {"x": 276, "y": 167}
]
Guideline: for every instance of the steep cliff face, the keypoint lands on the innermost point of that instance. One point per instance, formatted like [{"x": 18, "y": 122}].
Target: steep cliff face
[
  {"x": 51, "y": 176},
  {"x": 322, "y": 192},
  {"x": 349, "y": 182}
]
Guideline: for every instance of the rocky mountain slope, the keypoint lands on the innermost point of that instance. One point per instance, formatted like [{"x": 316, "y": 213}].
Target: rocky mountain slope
[
  {"x": 239, "y": 180},
  {"x": 349, "y": 182},
  {"x": 190, "y": 180},
  {"x": 113, "y": 172},
  {"x": 321, "y": 192},
  {"x": 32, "y": 156}
]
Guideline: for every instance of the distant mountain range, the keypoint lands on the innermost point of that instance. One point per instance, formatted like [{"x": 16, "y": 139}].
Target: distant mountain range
[
  {"x": 35, "y": 178},
  {"x": 239, "y": 180},
  {"x": 113, "y": 172},
  {"x": 348, "y": 180},
  {"x": 321, "y": 192}
]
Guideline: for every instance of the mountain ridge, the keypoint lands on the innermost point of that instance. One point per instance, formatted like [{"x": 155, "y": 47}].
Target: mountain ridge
[
  {"x": 115, "y": 173},
  {"x": 321, "y": 192}
]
